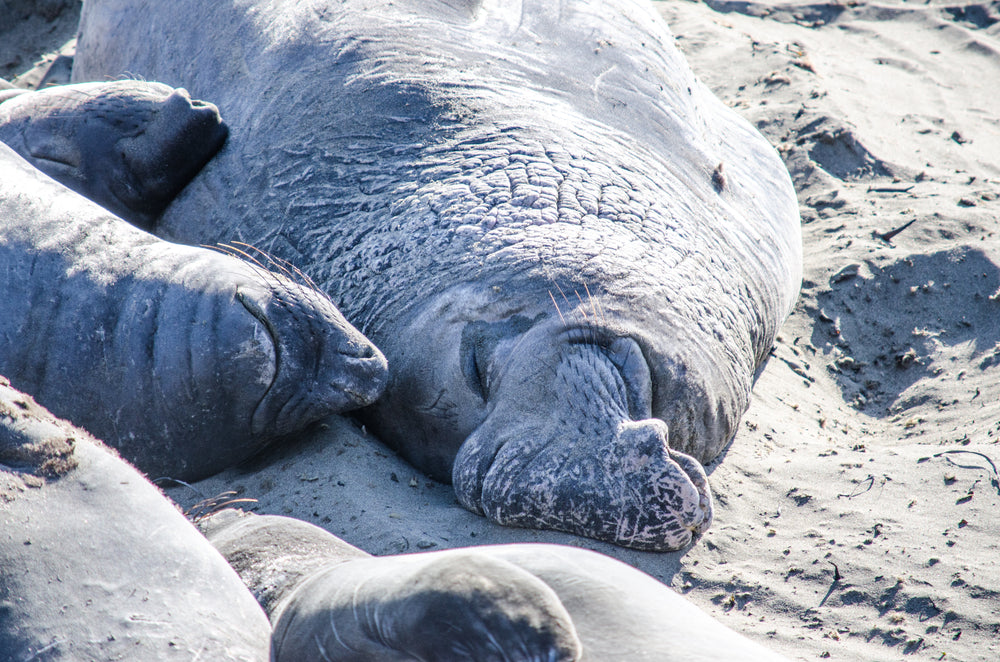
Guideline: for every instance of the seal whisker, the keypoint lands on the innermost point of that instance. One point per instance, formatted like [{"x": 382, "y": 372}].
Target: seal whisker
[
  {"x": 245, "y": 255},
  {"x": 279, "y": 265},
  {"x": 599, "y": 308},
  {"x": 319, "y": 645},
  {"x": 557, "y": 308},
  {"x": 208, "y": 507},
  {"x": 157, "y": 481},
  {"x": 265, "y": 277},
  {"x": 293, "y": 272},
  {"x": 593, "y": 302},
  {"x": 563, "y": 294},
  {"x": 583, "y": 306}
]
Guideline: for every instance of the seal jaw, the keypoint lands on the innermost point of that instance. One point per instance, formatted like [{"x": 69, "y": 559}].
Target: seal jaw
[
  {"x": 632, "y": 490},
  {"x": 569, "y": 444}
]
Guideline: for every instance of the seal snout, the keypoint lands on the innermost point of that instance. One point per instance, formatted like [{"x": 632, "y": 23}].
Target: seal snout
[
  {"x": 362, "y": 372},
  {"x": 578, "y": 451},
  {"x": 190, "y": 133},
  {"x": 664, "y": 485},
  {"x": 323, "y": 364},
  {"x": 200, "y": 118}
]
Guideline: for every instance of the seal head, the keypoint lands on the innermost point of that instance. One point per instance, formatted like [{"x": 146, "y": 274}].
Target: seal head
[
  {"x": 547, "y": 419},
  {"x": 129, "y": 145}
]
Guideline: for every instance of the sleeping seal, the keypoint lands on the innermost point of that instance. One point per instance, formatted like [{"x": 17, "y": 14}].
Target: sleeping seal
[
  {"x": 518, "y": 203},
  {"x": 186, "y": 360},
  {"x": 96, "y": 565},
  {"x": 129, "y": 145},
  {"x": 330, "y": 601}
]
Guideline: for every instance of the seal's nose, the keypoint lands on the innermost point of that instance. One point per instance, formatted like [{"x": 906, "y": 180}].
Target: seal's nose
[
  {"x": 674, "y": 482},
  {"x": 196, "y": 114},
  {"x": 647, "y": 441},
  {"x": 359, "y": 371}
]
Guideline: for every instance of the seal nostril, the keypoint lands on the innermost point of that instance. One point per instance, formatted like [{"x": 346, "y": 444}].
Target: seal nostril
[{"x": 357, "y": 350}]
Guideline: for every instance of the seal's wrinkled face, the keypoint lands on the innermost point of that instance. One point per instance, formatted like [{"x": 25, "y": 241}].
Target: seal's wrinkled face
[
  {"x": 129, "y": 145},
  {"x": 318, "y": 364},
  {"x": 549, "y": 423}
]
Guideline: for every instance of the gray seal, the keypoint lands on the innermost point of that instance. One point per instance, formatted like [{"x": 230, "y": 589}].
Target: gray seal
[
  {"x": 328, "y": 600},
  {"x": 95, "y": 564},
  {"x": 522, "y": 206},
  {"x": 184, "y": 359},
  {"x": 129, "y": 145}
]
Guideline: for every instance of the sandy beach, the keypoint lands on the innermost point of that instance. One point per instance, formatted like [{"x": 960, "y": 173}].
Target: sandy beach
[{"x": 858, "y": 507}]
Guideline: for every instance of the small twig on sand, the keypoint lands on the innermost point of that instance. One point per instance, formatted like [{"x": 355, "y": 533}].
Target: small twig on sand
[
  {"x": 836, "y": 571},
  {"x": 887, "y": 237},
  {"x": 890, "y": 189},
  {"x": 871, "y": 483},
  {"x": 995, "y": 480}
]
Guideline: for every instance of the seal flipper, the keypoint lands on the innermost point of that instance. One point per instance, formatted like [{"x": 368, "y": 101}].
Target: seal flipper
[{"x": 328, "y": 600}]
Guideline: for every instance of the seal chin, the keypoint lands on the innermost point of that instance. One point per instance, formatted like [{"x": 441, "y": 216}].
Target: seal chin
[
  {"x": 632, "y": 490},
  {"x": 323, "y": 365}
]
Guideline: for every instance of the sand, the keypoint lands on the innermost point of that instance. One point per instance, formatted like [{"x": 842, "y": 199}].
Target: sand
[{"x": 858, "y": 507}]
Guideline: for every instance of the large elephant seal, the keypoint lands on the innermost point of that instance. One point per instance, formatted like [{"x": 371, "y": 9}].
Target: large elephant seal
[
  {"x": 523, "y": 206},
  {"x": 96, "y": 565},
  {"x": 330, "y": 601},
  {"x": 184, "y": 359},
  {"x": 129, "y": 145}
]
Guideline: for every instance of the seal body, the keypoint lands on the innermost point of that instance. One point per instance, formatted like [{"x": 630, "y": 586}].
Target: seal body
[
  {"x": 129, "y": 145},
  {"x": 184, "y": 359},
  {"x": 518, "y": 205},
  {"x": 96, "y": 565},
  {"x": 328, "y": 600}
]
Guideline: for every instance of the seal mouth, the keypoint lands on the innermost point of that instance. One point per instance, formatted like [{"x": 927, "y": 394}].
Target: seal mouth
[
  {"x": 569, "y": 444},
  {"x": 629, "y": 490}
]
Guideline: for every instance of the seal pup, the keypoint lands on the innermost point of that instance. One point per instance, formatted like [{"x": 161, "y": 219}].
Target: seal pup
[
  {"x": 129, "y": 145},
  {"x": 95, "y": 564},
  {"x": 518, "y": 205},
  {"x": 328, "y": 600},
  {"x": 184, "y": 359}
]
